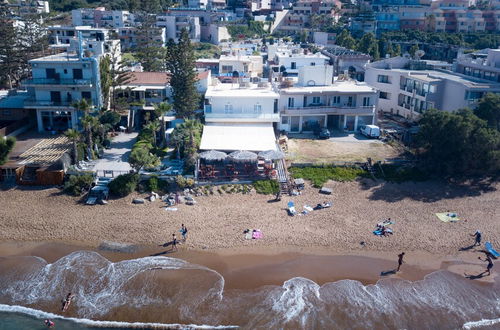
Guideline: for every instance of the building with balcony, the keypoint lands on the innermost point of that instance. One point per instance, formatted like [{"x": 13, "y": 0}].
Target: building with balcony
[
  {"x": 408, "y": 88},
  {"x": 175, "y": 23},
  {"x": 240, "y": 66},
  {"x": 240, "y": 116},
  {"x": 97, "y": 41},
  {"x": 129, "y": 38},
  {"x": 100, "y": 17},
  {"x": 292, "y": 62},
  {"x": 58, "y": 81},
  {"x": 486, "y": 66},
  {"x": 316, "y": 101}
]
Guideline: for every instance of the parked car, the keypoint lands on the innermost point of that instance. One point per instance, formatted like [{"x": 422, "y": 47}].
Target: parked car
[
  {"x": 370, "y": 131},
  {"x": 324, "y": 133}
]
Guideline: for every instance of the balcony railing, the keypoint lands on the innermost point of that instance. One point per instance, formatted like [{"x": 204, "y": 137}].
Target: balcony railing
[
  {"x": 330, "y": 110},
  {"x": 47, "y": 103},
  {"x": 52, "y": 81},
  {"x": 242, "y": 115}
]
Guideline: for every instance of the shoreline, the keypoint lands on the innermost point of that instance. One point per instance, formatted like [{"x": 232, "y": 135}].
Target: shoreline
[{"x": 276, "y": 265}]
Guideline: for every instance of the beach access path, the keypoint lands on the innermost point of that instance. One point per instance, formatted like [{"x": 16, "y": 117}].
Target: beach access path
[{"x": 116, "y": 157}]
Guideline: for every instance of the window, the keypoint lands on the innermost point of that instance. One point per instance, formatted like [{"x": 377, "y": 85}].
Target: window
[
  {"x": 293, "y": 65},
  {"x": 366, "y": 101},
  {"x": 291, "y": 100},
  {"x": 284, "y": 120},
  {"x": 313, "y": 64},
  {"x": 50, "y": 73},
  {"x": 86, "y": 95},
  {"x": 384, "y": 95},
  {"x": 227, "y": 68},
  {"x": 383, "y": 79},
  {"x": 257, "y": 108},
  {"x": 336, "y": 100},
  {"x": 228, "y": 108},
  {"x": 316, "y": 100}
]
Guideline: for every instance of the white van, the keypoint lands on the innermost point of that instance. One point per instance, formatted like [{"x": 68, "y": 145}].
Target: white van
[{"x": 371, "y": 131}]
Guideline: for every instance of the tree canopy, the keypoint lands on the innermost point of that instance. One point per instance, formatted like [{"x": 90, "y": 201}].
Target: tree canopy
[
  {"x": 6, "y": 146},
  {"x": 179, "y": 61},
  {"x": 489, "y": 110},
  {"x": 457, "y": 144}
]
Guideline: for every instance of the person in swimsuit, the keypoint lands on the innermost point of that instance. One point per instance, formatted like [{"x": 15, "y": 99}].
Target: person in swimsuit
[
  {"x": 49, "y": 323},
  {"x": 174, "y": 242},
  {"x": 184, "y": 232},
  {"x": 490, "y": 263},
  {"x": 477, "y": 235},
  {"x": 400, "y": 260},
  {"x": 67, "y": 301}
]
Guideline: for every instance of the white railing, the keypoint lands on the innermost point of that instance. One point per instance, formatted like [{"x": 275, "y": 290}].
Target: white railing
[{"x": 329, "y": 110}]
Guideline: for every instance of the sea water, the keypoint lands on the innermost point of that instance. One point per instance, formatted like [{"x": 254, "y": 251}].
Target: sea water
[{"x": 172, "y": 293}]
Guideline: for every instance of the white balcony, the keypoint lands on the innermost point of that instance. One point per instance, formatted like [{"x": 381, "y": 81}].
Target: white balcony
[
  {"x": 329, "y": 110},
  {"x": 241, "y": 117}
]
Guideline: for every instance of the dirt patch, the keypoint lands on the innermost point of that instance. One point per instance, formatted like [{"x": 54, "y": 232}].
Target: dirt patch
[{"x": 327, "y": 151}]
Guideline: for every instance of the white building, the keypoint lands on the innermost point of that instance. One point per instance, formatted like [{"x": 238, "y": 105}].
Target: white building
[
  {"x": 407, "y": 88},
  {"x": 240, "y": 116},
  {"x": 58, "y": 81},
  {"x": 246, "y": 66},
  {"x": 258, "y": 5},
  {"x": 316, "y": 101},
  {"x": 175, "y": 23},
  {"x": 129, "y": 38},
  {"x": 100, "y": 17},
  {"x": 479, "y": 65},
  {"x": 293, "y": 62},
  {"x": 199, "y": 4},
  {"x": 28, "y": 7},
  {"x": 94, "y": 40}
]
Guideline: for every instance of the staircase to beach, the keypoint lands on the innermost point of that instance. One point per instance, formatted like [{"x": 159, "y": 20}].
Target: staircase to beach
[{"x": 283, "y": 177}]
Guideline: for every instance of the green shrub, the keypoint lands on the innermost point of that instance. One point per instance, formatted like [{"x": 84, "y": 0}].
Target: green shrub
[
  {"x": 156, "y": 184},
  {"x": 319, "y": 175},
  {"x": 124, "y": 184},
  {"x": 78, "y": 184},
  {"x": 266, "y": 187},
  {"x": 182, "y": 182},
  {"x": 6, "y": 146}
]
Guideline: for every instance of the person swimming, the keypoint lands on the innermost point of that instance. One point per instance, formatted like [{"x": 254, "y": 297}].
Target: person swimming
[{"x": 49, "y": 323}]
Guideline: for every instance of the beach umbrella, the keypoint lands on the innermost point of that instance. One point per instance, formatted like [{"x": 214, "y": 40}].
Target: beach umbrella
[
  {"x": 272, "y": 154},
  {"x": 213, "y": 155},
  {"x": 243, "y": 156}
]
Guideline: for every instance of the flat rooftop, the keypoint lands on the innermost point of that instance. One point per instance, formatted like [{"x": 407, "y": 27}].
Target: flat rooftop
[
  {"x": 234, "y": 90},
  {"x": 61, "y": 57},
  {"x": 434, "y": 75},
  {"x": 317, "y": 55},
  {"x": 338, "y": 86}
]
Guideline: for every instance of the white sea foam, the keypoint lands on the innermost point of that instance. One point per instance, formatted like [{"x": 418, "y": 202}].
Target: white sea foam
[
  {"x": 479, "y": 324},
  {"x": 106, "y": 324}
]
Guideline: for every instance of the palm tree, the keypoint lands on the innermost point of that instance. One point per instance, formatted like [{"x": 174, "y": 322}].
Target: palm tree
[
  {"x": 88, "y": 123},
  {"x": 74, "y": 136},
  {"x": 82, "y": 105},
  {"x": 153, "y": 126},
  {"x": 161, "y": 110}
]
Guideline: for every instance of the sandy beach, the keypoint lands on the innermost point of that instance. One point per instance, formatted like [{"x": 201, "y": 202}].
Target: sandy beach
[{"x": 216, "y": 223}]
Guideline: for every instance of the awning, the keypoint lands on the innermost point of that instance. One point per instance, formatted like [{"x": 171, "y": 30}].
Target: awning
[{"x": 238, "y": 137}]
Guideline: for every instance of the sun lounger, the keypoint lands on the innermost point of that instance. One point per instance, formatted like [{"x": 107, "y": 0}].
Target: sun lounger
[
  {"x": 91, "y": 201},
  {"x": 326, "y": 191},
  {"x": 489, "y": 247}
]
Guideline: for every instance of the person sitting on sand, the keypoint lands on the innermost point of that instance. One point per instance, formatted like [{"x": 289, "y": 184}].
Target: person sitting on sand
[{"x": 67, "y": 301}]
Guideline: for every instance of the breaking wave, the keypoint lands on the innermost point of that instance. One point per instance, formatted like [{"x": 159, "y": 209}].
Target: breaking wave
[{"x": 173, "y": 291}]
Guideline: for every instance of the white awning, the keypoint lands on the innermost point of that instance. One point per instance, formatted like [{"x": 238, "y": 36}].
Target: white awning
[{"x": 252, "y": 137}]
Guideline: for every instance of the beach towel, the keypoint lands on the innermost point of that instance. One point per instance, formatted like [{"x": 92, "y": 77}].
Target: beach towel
[
  {"x": 248, "y": 235},
  {"x": 257, "y": 234},
  {"x": 308, "y": 208},
  {"x": 378, "y": 232},
  {"x": 489, "y": 247},
  {"x": 448, "y": 216}
]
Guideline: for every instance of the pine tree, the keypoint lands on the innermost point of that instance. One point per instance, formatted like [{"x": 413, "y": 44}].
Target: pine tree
[
  {"x": 11, "y": 55},
  {"x": 180, "y": 64},
  {"x": 118, "y": 76},
  {"x": 149, "y": 46},
  {"x": 344, "y": 39}
]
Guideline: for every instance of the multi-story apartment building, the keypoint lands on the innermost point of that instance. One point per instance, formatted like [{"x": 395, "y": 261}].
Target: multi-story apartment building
[
  {"x": 198, "y": 4},
  {"x": 347, "y": 61},
  {"x": 95, "y": 40},
  {"x": 244, "y": 65},
  {"x": 299, "y": 16},
  {"x": 28, "y": 7},
  {"x": 291, "y": 62},
  {"x": 100, "y": 17},
  {"x": 174, "y": 24},
  {"x": 315, "y": 100},
  {"x": 58, "y": 81},
  {"x": 129, "y": 38},
  {"x": 408, "y": 88},
  {"x": 480, "y": 66},
  {"x": 240, "y": 116}
]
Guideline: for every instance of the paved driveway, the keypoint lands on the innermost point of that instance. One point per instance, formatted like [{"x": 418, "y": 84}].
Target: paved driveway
[{"x": 116, "y": 157}]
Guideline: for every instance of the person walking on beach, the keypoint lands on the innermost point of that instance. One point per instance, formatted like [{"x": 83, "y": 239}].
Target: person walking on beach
[
  {"x": 184, "y": 232},
  {"x": 490, "y": 263},
  {"x": 477, "y": 235},
  {"x": 400, "y": 260},
  {"x": 174, "y": 243}
]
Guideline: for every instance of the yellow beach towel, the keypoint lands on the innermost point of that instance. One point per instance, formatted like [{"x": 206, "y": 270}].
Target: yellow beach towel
[{"x": 448, "y": 216}]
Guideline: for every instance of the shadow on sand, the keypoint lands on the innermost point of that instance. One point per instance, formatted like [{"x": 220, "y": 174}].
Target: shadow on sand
[
  {"x": 388, "y": 272},
  {"x": 475, "y": 277},
  {"x": 427, "y": 192}
]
